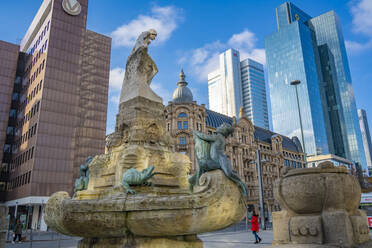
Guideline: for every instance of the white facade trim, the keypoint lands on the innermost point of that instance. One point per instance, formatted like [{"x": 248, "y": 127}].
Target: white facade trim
[{"x": 30, "y": 200}]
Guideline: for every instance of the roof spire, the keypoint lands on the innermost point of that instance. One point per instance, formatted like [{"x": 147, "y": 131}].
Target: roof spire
[
  {"x": 242, "y": 113},
  {"x": 182, "y": 81}
]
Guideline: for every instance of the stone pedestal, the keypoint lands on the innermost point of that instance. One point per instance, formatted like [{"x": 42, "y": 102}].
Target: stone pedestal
[
  {"x": 3, "y": 224},
  {"x": 320, "y": 209},
  {"x": 141, "y": 120}
]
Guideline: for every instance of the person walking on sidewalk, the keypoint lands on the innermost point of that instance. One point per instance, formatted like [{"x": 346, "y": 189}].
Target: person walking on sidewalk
[
  {"x": 255, "y": 227},
  {"x": 18, "y": 231}
]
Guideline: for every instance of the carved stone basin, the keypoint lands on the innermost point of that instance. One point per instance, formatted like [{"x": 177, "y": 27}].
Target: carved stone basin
[
  {"x": 216, "y": 204},
  {"x": 320, "y": 209},
  {"x": 310, "y": 190}
]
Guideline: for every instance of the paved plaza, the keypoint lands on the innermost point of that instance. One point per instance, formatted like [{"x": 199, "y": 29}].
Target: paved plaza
[
  {"x": 211, "y": 240},
  {"x": 235, "y": 239},
  {"x": 238, "y": 239}
]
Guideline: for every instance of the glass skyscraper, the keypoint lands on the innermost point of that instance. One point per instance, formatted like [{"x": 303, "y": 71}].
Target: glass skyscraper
[
  {"x": 312, "y": 50},
  {"x": 239, "y": 84},
  {"x": 366, "y": 136}
]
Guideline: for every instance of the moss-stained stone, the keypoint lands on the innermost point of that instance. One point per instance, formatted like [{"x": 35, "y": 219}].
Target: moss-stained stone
[{"x": 190, "y": 241}]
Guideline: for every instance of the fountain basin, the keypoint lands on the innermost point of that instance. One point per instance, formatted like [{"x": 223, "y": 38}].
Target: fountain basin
[
  {"x": 320, "y": 209},
  {"x": 311, "y": 190},
  {"x": 217, "y": 203}
]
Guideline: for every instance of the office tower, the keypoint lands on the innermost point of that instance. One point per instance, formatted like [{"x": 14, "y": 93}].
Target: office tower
[
  {"x": 366, "y": 136},
  {"x": 8, "y": 69},
  {"x": 312, "y": 50},
  {"x": 238, "y": 84},
  {"x": 63, "y": 73}
]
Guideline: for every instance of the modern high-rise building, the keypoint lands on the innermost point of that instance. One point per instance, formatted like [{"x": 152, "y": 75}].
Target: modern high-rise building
[
  {"x": 312, "y": 50},
  {"x": 366, "y": 136},
  {"x": 54, "y": 90},
  {"x": 239, "y": 84}
]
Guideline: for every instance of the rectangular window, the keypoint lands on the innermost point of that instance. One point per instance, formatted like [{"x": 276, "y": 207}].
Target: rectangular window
[
  {"x": 182, "y": 140},
  {"x": 35, "y": 128},
  {"x": 179, "y": 124},
  {"x": 293, "y": 164},
  {"x": 185, "y": 125}
]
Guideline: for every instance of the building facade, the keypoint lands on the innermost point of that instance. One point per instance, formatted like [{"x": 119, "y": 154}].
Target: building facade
[
  {"x": 8, "y": 105},
  {"x": 312, "y": 50},
  {"x": 314, "y": 161},
  {"x": 367, "y": 143},
  {"x": 63, "y": 73},
  {"x": 239, "y": 84},
  {"x": 183, "y": 115}
]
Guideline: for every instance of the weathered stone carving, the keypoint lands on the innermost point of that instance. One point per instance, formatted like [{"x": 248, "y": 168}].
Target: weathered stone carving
[
  {"x": 166, "y": 214},
  {"x": 143, "y": 40},
  {"x": 320, "y": 209},
  {"x": 210, "y": 155},
  {"x": 134, "y": 177},
  {"x": 139, "y": 71},
  {"x": 82, "y": 182}
]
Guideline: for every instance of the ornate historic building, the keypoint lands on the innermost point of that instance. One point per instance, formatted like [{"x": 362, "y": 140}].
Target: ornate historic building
[{"x": 183, "y": 115}]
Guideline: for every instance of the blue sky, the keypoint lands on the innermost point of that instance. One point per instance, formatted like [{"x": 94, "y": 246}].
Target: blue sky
[{"x": 191, "y": 33}]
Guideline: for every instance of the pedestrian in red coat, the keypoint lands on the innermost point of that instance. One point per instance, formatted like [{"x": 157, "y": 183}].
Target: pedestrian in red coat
[{"x": 255, "y": 227}]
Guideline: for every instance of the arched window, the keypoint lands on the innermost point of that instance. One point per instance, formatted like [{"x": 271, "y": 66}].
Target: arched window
[{"x": 182, "y": 115}]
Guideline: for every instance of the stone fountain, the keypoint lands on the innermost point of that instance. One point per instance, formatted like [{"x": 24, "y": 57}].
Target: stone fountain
[
  {"x": 320, "y": 209},
  {"x": 157, "y": 207}
]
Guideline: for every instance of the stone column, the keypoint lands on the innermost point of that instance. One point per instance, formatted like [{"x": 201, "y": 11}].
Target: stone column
[{"x": 3, "y": 224}]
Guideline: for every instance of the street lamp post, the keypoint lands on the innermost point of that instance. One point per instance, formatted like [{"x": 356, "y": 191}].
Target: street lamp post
[
  {"x": 259, "y": 172},
  {"x": 296, "y": 83}
]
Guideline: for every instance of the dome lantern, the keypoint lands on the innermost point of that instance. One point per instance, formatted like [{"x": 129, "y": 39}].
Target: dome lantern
[{"x": 182, "y": 94}]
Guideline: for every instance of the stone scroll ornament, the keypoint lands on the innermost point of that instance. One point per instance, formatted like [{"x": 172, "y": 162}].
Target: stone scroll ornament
[
  {"x": 210, "y": 155},
  {"x": 82, "y": 182}
]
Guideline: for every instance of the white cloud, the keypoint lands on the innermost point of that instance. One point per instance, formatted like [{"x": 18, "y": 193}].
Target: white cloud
[
  {"x": 362, "y": 24},
  {"x": 362, "y": 20},
  {"x": 162, "y": 92},
  {"x": 354, "y": 46},
  {"x": 163, "y": 19},
  {"x": 115, "y": 99},
  {"x": 245, "y": 39},
  {"x": 116, "y": 78},
  {"x": 204, "y": 60}
]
